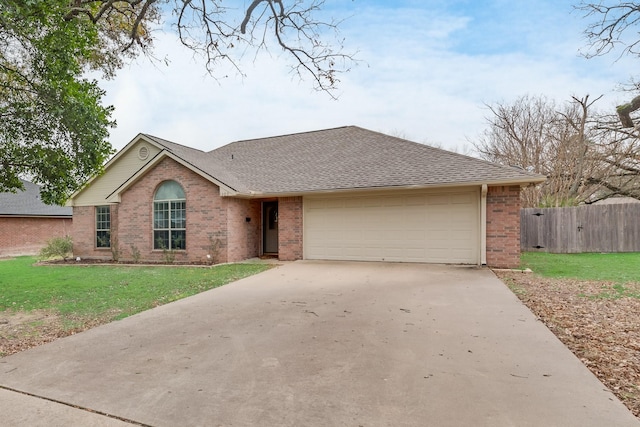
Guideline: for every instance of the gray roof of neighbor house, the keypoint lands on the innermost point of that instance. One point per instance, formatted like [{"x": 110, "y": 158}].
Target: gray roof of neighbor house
[
  {"x": 28, "y": 203},
  {"x": 344, "y": 158}
]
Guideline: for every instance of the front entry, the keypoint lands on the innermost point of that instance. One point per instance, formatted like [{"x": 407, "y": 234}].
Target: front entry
[{"x": 270, "y": 227}]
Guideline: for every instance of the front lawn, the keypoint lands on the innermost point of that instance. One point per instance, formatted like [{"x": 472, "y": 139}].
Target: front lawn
[
  {"x": 619, "y": 267},
  {"x": 63, "y": 299}
]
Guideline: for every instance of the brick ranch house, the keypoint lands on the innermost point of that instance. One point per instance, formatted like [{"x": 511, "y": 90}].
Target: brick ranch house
[
  {"x": 337, "y": 194},
  {"x": 26, "y": 223}
]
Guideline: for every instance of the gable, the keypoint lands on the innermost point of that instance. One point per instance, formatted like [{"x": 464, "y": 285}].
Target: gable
[{"x": 129, "y": 161}]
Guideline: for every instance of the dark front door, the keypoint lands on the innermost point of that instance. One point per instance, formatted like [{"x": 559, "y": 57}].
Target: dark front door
[{"x": 270, "y": 227}]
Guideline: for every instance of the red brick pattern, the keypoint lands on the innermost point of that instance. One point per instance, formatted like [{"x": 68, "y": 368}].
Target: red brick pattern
[
  {"x": 26, "y": 236},
  {"x": 216, "y": 226},
  {"x": 243, "y": 228},
  {"x": 206, "y": 216},
  {"x": 290, "y": 228},
  {"x": 503, "y": 227},
  {"x": 84, "y": 232},
  {"x": 229, "y": 229}
]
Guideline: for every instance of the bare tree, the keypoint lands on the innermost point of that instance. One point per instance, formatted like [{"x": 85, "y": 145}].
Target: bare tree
[
  {"x": 614, "y": 144},
  {"x": 585, "y": 156},
  {"x": 614, "y": 27},
  {"x": 610, "y": 27},
  {"x": 221, "y": 32},
  {"x": 518, "y": 135},
  {"x": 617, "y": 150}
]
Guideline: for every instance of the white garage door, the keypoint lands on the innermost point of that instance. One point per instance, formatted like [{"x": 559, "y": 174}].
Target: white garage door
[{"x": 411, "y": 227}]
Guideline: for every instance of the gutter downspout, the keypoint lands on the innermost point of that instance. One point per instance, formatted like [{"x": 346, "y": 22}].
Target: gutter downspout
[{"x": 483, "y": 225}]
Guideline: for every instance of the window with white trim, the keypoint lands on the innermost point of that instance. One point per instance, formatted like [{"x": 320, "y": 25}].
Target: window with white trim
[
  {"x": 169, "y": 217},
  {"x": 103, "y": 226}
]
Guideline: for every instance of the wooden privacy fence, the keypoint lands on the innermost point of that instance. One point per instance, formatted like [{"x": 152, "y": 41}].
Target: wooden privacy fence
[{"x": 593, "y": 228}]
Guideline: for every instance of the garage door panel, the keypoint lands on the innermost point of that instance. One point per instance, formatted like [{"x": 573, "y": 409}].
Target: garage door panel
[
  {"x": 441, "y": 199},
  {"x": 371, "y": 202},
  {"x": 463, "y": 198},
  {"x": 420, "y": 200},
  {"x": 414, "y": 227}
]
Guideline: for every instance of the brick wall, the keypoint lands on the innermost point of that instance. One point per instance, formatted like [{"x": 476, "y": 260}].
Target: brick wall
[
  {"x": 84, "y": 232},
  {"x": 216, "y": 226},
  {"x": 243, "y": 235},
  {"x": 26, "y": 236},
  {"x": 206, "y": 216},
  {"x": 503, "y": 226},
  {"x": 290, "y": 228}
]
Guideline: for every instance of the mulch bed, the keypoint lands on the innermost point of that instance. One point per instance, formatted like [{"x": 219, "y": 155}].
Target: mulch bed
[{"x": 599, "y": 324}]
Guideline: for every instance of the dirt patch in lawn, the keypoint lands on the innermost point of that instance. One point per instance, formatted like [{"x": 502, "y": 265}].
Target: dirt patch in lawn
[
  {"x": 598, "y": 321},
  {"x": 20, "y": 330}
]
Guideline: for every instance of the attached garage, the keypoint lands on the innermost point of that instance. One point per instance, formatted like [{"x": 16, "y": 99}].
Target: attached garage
[
  {"x": 412, "y": 226},
  {"x": 336, "y": 194}
]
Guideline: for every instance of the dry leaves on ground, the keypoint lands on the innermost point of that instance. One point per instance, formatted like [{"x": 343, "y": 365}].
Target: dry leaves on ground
[
  {"x": 21, "y": 330},
  {"x": 597, "y": 322}
]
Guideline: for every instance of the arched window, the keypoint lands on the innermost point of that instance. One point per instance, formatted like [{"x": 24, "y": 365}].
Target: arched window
[{"x": 169, "y": 217}]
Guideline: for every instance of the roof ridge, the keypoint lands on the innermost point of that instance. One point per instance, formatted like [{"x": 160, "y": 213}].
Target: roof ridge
[
  {"x": 286, "y": 135},
  {"x": 164, "y": 142}
]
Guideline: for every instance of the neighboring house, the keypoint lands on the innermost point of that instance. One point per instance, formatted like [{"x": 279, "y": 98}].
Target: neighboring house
[
  {"x": 26, "y": 223},
  {"x": 337, "y": 194}
]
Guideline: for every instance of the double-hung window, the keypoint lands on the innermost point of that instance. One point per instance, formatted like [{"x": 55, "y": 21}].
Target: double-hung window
[
  {"x": 169, "y": 217},
  {"x": 103, "y": 226}
]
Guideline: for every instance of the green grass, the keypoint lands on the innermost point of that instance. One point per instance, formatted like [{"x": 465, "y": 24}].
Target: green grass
[
  {"x": 623, "y": 269},
  {"x": 619, "y": 267},
  {"x": 84, "y": 292}
]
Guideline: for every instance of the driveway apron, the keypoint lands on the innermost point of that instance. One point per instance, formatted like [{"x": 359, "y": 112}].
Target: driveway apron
[{"x": 317, "y": 344}]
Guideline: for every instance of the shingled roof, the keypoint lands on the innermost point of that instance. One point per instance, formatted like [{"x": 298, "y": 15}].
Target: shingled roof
[
  {"x": 351, "y": 157},
  {"x": 345, "y": 158},
  {"x": 28, "y": 203},
  {"x": 204, "y": 162}
]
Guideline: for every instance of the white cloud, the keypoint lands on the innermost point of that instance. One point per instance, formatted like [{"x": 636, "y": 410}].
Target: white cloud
[{"x": 417, "y": 81}]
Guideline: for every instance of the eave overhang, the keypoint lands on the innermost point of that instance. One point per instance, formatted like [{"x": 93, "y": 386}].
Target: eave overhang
[{"x": 524, "y": 182}]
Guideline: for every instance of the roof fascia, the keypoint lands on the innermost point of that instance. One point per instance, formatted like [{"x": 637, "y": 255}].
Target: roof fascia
[
  {"x": 114, "y": 197},
  {"x": 522, "y": 183}
]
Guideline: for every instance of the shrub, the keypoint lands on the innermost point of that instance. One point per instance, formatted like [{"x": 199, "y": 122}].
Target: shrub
[
  {"x": 58, "y": 247},
  {"x": 215, "y": 245},
  {"x": 169, "y": 255},
  {"x": 135, "y": 254},
  {"x": 115, "y": 249}
]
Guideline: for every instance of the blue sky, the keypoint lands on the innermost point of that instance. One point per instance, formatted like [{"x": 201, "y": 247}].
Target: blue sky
[{"x": 428, "y": 69}]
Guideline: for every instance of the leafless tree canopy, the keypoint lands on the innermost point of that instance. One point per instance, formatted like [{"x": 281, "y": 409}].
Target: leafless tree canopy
[
  {"x": 221, "y": 31},
  {"x": 586, "y": 156},
  {"x": 610, "y": 27},
  {"x": 614, "y": 26}
]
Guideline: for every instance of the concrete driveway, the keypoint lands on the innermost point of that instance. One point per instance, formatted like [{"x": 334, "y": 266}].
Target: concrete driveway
[{"x": 317, "y": 344}]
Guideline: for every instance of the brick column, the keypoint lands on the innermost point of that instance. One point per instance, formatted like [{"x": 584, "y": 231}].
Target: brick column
[
  {"x": 290, "y": 228},
  {"x": 503, "y": 226}
]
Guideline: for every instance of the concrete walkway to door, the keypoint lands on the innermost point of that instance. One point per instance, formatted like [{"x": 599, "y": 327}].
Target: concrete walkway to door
[{"x": 317, "y": 344}]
